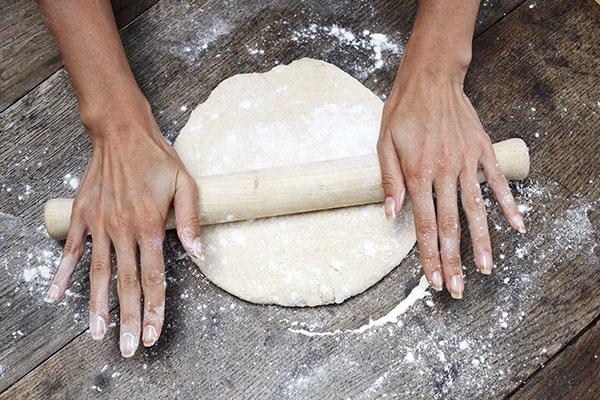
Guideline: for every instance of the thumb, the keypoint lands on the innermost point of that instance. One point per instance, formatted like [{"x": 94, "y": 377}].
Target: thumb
[
  {"x": 185, "y": 203},
  {"x": 391, "y": 176}
]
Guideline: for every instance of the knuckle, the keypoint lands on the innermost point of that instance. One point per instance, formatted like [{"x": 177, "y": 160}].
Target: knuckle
[
  {"x": 99, "y": 268},
  {"x": 127, "y": 280},
  {"x": 473, "y": 203},
  {"x": 453, "y": 261},
  {"x": 388, "y": 180},
  {"x": 154, "y": 312},
  {"x": 448, "y": 225},
  {"x": 429, "y": 259},
  {"x": 150, "y": 229},
  {"x": 485, "y": 142},
  {"x": 119, "y": 220},
  {"x": 78, "y": 208},
  {"x": 153, "y": 278},
  {"x": 447, "y": 167},
  {"x": 191, "y": 220},
  {"x": 72, "y": 247},
  {"x": 426, "y": 228},
  {"x": 420, "y": 172},
  {"x": 496, "y": 177},
  {"x": 506, "y": 199},
  {"x": 188, "y": 180},
  {"x": 152, "y": 242},
  {"x": 382, "y": 144}
]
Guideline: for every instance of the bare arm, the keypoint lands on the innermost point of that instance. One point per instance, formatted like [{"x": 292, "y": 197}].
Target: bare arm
[
  {"x": 431, "y": 140},
  {"x": 130, "y": 182},
  {"x": 89, "y": 43}
]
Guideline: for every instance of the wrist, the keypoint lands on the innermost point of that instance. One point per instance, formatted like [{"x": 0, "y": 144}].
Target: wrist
[
  {"x": 129, "y": 124},
  {"x": 431, "y": 60},
  {"x": 102, "y": 94},
  {"x": 114, "y": 111}
]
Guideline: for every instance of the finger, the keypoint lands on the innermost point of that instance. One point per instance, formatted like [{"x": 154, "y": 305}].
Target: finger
[
  {"x": 153, "y": 284},
  {"x": 391, "y": 176},
  {"x": 100, "y": 271},
  {"x": 449, "y": 232},
  {"x": 499, "y": 185},
  {"x": 128, "y": 289},
  {"x": 185, "y": 203},
  {"x": 74, "y": 246},
  {"x": 472, "y": 203},
  {"x": 426, "y": 229}
]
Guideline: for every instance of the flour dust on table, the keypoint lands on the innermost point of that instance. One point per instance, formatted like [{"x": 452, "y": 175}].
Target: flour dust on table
[{"x": 306, "y": 111}]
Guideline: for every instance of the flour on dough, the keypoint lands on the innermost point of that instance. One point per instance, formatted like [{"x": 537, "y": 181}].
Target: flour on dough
[{"x": 306, "y": 111}]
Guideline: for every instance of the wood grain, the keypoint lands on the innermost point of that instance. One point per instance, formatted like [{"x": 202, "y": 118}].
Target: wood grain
[
  {"x": 572, "y": 374},
  {"x": 28, "y": 54},
  {"x": 219, "y": 347}
]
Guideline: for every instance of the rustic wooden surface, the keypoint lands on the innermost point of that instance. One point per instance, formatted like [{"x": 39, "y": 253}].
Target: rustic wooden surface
[
  {"x": 573, "y": 374},
  {"x": 28, "y": 54},
  {"x": 533, "y": 76}
]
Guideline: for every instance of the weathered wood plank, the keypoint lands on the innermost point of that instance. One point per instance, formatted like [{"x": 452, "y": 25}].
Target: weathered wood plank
[
  {"x": 28, "y": 54},
  {"x": 572, "y": 374},
  {"x": 46, "y": 143},
  {"x": 215, "y": 353},
  {"x": 216, "y": 346}
]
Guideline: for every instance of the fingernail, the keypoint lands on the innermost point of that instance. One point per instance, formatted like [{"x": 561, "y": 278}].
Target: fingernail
[
  {"x": 150, "y": 336},
  {"x": 98, "y": 328},
  {"x": 390, "y": 208},
  {"x": 456, "y": 287},
  {"x": 518, "y": 221},
  {"x": 192, "y": 245},
  {"x": 127, "y": 344},
  {"x": 436, "y": 281},
  {"x": 53, "y": 294},
  {"x": 485, "y": 262},
  {"x": 198, "y": 248},
  {"x": 401, "y": 198}
]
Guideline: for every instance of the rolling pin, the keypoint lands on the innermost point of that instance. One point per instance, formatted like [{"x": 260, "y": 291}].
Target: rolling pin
[{"x": 292, "y": 189}]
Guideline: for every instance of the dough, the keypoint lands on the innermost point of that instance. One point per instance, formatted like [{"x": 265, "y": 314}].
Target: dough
[{"x": 306, "y": 111}]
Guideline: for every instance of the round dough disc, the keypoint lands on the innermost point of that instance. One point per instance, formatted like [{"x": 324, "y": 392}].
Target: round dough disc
[{"x": 306, "y": 111}]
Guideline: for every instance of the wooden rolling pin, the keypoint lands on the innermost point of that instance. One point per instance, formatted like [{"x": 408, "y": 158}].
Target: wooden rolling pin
[{"x": 292, "y": 189}]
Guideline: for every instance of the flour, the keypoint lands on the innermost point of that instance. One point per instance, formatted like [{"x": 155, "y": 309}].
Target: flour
[
  {"x": 256, "y": 51},
  {"x": 385, "y": 52},
  {"x": 437, "y": 352},
  {"x": 43, "y": 262},
  {"x": 417, "y": 293},
  {"x": 71, "y": 182},
  {"x": 189, "y": 39}
]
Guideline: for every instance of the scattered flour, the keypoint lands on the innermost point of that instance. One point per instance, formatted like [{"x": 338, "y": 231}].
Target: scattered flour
[
  {"x": 436, "y": 350},
  {"x": 385, "y": 52},
  {"x": 417, "y": 293},
  {"x": 71, "y": 181},
  {"x": 189, "y": 39}
]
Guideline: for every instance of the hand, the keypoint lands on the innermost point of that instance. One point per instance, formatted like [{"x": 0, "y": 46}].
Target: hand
[
  {"x": 431, "y": 140},
  {"x": 123, "y": 201}
]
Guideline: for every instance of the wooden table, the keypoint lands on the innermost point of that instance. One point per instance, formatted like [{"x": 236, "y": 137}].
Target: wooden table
[{"x": 528, "y": 331}]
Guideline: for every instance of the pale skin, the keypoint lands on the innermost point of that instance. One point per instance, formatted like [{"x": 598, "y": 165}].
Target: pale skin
[{"x": 431, "y": 141}]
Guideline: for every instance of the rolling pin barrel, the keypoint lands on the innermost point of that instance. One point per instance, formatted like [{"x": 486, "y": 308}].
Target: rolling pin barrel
[{"x": 293, "y": 189}]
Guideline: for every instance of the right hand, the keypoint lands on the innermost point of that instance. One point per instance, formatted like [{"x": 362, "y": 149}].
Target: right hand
[{"x": 132, "y": 179}]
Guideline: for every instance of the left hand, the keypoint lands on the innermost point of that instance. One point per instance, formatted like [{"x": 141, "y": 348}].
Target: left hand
[{"x": 431, "y": 140}]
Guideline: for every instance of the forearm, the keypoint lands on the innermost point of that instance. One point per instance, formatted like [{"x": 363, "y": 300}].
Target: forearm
[
  {"x": 88, "y": 39},
  {"x": 441, "y": 39}
]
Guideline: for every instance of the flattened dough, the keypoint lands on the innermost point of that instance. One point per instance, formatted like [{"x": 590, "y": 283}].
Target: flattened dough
[{"x": 306, "y": 111}]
